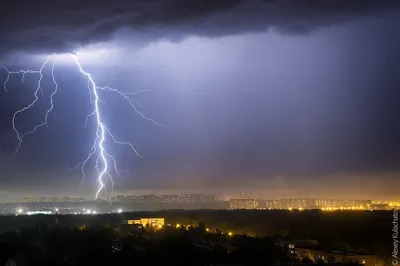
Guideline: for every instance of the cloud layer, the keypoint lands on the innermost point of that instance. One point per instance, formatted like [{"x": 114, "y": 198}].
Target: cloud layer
[{"x": 63, "y": 26}]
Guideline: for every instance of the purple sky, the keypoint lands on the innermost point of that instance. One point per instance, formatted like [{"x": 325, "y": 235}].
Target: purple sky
[{"x": 272, "y": 97}]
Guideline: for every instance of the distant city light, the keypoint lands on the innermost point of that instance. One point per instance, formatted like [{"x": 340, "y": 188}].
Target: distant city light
[
  {"x": 178, "y": 225},
  {"x": 20, "y": 210},
  {"x": 230, "y": 233},
  {"x": 88, "y": 211},
  {"x": 56, "y": 209},
  {"x": 119, "y": 211},
  {"x": 39, "y": 212}
]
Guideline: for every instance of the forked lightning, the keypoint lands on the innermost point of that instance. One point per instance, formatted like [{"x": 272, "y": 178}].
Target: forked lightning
[{"x": 104, "y": 162}]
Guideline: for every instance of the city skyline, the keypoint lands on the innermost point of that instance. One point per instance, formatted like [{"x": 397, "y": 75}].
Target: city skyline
[
  {"x": 352, "y": 189},
  {"x": 192, "y": 197},
  {"x": 132, "y": 203}
]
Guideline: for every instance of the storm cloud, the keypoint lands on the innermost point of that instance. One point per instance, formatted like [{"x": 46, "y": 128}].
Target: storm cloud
[
  {"x": 281, "y": 95},
  {"x": 64, "y": 26}
]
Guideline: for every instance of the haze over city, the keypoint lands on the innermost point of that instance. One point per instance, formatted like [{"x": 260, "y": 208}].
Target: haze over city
[{"x": 270, "y": 98}]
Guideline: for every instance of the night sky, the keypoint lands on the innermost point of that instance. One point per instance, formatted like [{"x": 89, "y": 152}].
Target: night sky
[{"x": 274, "y": 97}]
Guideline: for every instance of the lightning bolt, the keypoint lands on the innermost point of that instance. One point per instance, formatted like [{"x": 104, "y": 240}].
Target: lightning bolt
[
  {"x": 104, "y": 162},
  {"x": 22, "y": 72},
  {"x": 20, "y": 136}
]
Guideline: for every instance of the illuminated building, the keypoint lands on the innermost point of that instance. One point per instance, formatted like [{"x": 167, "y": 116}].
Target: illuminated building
[
  {"x": 120, "y": 198},
  {"x": 155, "y": 222},
  {"x": 335, "y": 203},
  {"x": 39, "y": 212},
  {"x": 194, "y": 198},
  {"x": 320, "y": 203},
  {"x": 380, "y": 206},
  {"x": 298, "y": 203},
  {"x": 273, "y": 204},
  {"x": 169, "y": 198},
  {"x": 152, "y": 198},
  {"x": 363, "y": 203},
  {"x": 246, "y": 204},
  {"x": 31, "y": 199},
  {"x": 184, "y": 199},
  {"x": 334, "y": 256}
]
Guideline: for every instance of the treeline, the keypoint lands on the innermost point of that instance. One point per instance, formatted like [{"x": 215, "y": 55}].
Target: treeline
[
  {"x": 360, "y": 231},
  {"x": 169, "y": 246}
]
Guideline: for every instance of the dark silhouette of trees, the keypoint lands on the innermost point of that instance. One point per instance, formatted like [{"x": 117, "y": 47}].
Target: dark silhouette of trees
[{"x": 38, "y": 239}]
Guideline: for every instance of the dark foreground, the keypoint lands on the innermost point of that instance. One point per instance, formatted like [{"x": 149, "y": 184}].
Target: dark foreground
[{"x": 203, "y": 238}]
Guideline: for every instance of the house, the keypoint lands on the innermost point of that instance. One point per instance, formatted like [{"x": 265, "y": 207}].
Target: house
[{"x": 334, "y": 256}]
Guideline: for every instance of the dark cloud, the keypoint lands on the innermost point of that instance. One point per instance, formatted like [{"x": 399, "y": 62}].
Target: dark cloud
[
  {"x": 251, "y": 110},
  {"x": 59, "y": 26}
]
